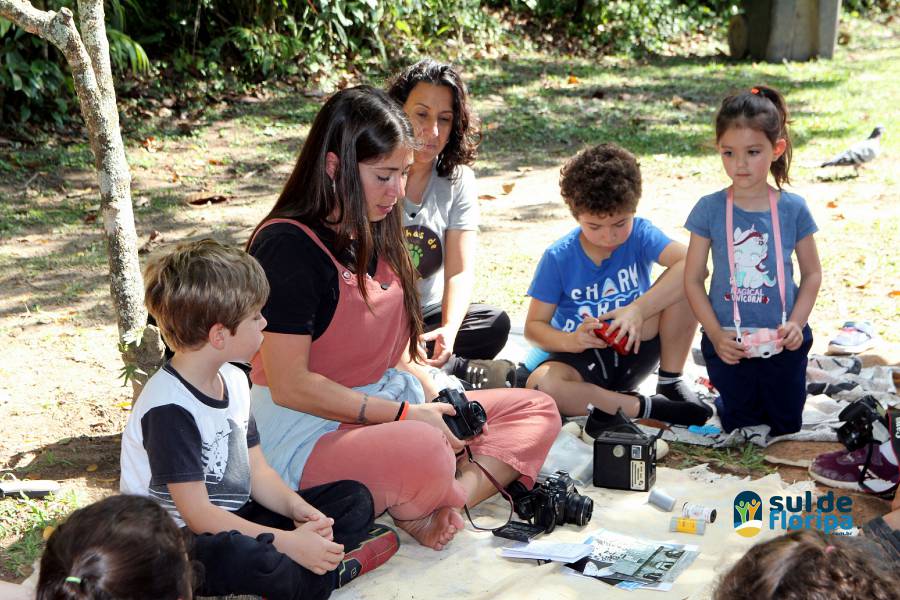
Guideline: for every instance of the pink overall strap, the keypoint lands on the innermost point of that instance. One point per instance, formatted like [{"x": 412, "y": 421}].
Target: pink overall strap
[{"x": 779, "y": 254}]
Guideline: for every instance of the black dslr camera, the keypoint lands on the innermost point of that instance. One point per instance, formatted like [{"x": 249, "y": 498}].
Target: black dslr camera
[
  {"x": 470, "y": 417},
  {"x": 863, "y": 424},
  {"x": 551, "y": 503}
]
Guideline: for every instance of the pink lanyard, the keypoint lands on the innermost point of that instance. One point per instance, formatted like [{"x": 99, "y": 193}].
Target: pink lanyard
[{"x": 779, "y": 257}]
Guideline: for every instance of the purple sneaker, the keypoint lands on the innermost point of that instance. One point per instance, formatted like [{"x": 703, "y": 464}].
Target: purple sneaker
[{"x": 841, "y": 470}]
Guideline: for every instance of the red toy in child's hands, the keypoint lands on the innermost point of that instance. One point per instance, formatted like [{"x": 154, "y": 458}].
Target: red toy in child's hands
[{"x": 610, "y": 338}]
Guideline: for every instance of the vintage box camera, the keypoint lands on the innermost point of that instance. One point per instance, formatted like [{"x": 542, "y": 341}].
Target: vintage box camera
[
  {"x": 624, "y": 461},
  {"x": 470, "y": 417}
]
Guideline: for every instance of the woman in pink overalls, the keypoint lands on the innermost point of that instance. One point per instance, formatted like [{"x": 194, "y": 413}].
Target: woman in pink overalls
[{"x": 340, "y": 391}]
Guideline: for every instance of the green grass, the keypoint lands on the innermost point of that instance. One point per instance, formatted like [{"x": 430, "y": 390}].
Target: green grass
[
  {"x": 534, "y": 116},
  {"x": 749, "y": 458},
  {"x": 22, "y": 525}
]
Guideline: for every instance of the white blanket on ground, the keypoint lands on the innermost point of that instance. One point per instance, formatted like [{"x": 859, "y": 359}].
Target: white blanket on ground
[
  {"x": 471, "y": 566},
  {"x": 832, "y": 382}
]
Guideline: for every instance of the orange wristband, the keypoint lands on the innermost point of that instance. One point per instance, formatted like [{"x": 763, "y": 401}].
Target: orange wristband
[{"x": 403, "y": 412}]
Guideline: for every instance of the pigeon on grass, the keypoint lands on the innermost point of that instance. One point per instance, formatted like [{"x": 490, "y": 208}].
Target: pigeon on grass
[{"x": 859, "y": 153}]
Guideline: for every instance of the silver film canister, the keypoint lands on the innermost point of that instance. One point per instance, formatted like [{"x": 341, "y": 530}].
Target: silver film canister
[
  {"x": 662, "y": 500},
  {"x": 699, "y": 512}
]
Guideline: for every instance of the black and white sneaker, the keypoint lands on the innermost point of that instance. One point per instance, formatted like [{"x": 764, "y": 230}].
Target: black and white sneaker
[{"x": 488, "y": 374}]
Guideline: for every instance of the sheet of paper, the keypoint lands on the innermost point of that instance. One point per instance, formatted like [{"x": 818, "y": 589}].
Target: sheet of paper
[{"x": 548, "y": 551}]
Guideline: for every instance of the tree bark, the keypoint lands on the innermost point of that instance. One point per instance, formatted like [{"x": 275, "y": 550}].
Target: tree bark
[{"x": 88, "y": 56}]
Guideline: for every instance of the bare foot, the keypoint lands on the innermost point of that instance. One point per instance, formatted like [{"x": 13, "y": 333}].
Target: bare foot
[{"x": 436, "y": 530}]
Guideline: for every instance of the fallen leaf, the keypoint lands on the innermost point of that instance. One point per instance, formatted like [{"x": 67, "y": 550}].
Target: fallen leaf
[
  {"x": 832, "y": 204},
  {"x": 91, "y": 468},
  {"x": 677, "y": 100},
  {"x": 486, "y": 197},
  {"x": 126, "y": 405},
  {"x": 216, "y": 161},
  {"x": 153, "y": 240},
  {"x": 894, "y": 294},
  {"x": 508, "y": 187},
  {"x": 150, "y": 144},
  {"x": 89, "y": 218},
  {"x": 573, "y": 80},
  {"x": 839, "y": 217},
  {"x": 48, "y": 531}
]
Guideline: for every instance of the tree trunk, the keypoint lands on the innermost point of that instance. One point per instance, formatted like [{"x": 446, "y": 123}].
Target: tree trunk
[{"x": 88, "y": 57}]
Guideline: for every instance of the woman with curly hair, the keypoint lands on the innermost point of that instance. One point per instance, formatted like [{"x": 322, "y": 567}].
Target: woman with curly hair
[
  {"x": 805, "y": 565},
  {"x": 440, "y": 218}
]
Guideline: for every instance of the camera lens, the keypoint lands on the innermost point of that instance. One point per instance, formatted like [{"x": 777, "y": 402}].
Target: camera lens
[
  {"x": 579, "y": 509},
  {"x": 476, "y": 417}
]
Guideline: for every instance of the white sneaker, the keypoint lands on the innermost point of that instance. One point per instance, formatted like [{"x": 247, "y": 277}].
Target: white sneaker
[{"x": 853, "y": 338}]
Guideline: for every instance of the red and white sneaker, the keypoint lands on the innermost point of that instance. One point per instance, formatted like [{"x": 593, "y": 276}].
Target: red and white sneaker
[{"x": 381, "y": 544}]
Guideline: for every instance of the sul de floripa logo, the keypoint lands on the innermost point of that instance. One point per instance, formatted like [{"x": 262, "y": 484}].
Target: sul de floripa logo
[
  {"x": 828, "y": 513},
  {"x": 747, "y": 514}
]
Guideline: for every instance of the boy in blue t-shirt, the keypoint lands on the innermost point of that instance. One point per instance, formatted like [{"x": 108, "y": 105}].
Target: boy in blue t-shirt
[{"x": 601, "y": 272}]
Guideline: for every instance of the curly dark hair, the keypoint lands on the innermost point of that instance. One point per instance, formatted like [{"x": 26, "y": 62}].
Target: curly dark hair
[
  {"x": 801, "y": 565},
  {"x": 465, "y": 135},
  {"x": 603, "y": 180}
]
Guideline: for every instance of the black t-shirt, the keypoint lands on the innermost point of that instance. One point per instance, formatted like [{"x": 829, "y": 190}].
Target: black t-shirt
[{"x": 303, "y": 280}]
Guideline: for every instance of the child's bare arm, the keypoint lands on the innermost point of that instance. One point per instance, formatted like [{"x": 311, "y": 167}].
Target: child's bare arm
[
  {"x": 810, "y": 281},
  {"x": 270, "y": 490},
  {"x": 540, "y": 332},
  {"x": 303, "y": 545},
  {"x": 728, "y": 349},
  {"x": 668, "y": 289}
]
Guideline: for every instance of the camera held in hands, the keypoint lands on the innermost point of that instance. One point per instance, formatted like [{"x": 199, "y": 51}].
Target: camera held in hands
[
  {"x": 470, "y": 417},
  {"x": 603, "y": 333},
  {"x": 761, "y": 343},
  {"x": 551, "y": 503}
]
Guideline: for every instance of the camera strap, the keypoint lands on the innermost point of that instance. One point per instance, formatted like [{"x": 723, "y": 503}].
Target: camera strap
[
  {"x": 779, "y": 254},
  {"x": 892, "y": 416},
  {"x": 500, "y": 489}
]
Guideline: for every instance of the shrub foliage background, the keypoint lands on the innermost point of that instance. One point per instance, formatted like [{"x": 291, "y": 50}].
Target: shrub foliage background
[{"x": 230, "y": 43}]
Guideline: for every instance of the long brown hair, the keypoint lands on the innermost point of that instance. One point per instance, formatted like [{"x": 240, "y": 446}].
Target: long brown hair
[
  {"x": 359, "y": 125},
  {"x": 465, "y": 134},
  {"x": 762, "y": 109}
]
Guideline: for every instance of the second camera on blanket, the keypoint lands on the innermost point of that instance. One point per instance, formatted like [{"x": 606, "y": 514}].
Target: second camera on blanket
[
  {"x": 551, "y": 503},
  {"x": 864, "y": 423},
  {"x": 470, "y": 417}
]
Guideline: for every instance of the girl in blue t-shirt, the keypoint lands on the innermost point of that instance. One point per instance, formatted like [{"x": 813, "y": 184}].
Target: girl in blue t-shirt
[{"x": 755, "y": 335}]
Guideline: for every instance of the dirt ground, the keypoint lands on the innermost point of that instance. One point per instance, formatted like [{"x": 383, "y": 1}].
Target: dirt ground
[{"x": 63, "y": 406}]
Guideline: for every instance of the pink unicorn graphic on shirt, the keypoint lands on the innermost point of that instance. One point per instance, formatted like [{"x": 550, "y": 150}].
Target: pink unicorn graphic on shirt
[{"x": 751, "y": 248}]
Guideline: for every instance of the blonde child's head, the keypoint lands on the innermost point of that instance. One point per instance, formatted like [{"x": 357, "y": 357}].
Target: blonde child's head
[
  {"x": 804, "y": 565},
  {"x": 761, "y": 109},
  {"x": 198, "y": 285}
]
